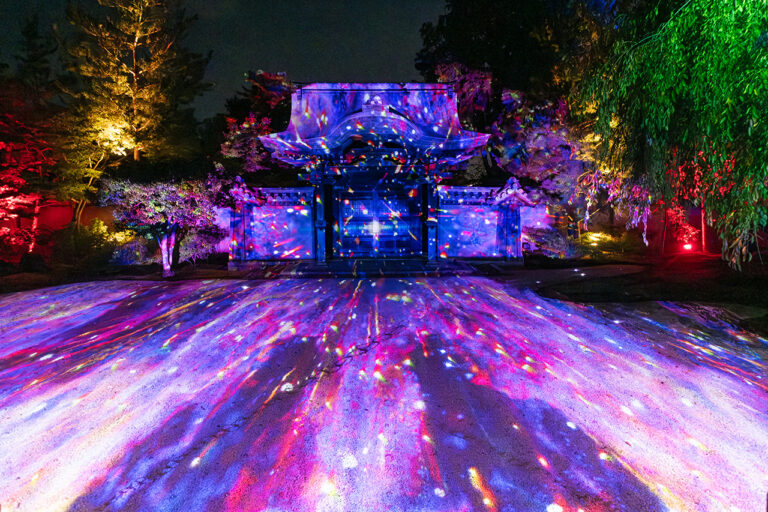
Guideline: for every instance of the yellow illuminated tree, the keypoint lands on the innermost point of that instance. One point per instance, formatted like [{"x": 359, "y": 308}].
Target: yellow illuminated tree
[{"x": 133, "y": 71}]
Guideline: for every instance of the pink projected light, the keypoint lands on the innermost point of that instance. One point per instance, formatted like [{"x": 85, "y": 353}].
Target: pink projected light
[
  {"x": 375, "y": 394},
  {"x": 360, "y": 125}
]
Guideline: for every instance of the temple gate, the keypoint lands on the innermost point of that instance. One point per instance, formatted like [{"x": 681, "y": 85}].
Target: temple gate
[{"x": 373, "y": 155}]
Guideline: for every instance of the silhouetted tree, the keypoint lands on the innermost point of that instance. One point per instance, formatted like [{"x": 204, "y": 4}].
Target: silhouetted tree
[
  {"x": 512, "y": 40},
  {"x": 33, "y": 67}
]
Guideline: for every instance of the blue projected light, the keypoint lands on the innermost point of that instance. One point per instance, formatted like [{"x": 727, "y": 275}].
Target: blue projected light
[
  {"x": 374, "y": 154},
  {"x": 366, "y": 125},
  {"x": 471, "y": 224},
  {"x": 273, "y": 224},
  {"x": 375, "y": 223}
]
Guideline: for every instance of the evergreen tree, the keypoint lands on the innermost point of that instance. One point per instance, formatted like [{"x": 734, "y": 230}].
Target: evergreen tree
[
  {"x": 132, "y": 66},
  {"x": 33, "y": 66}
]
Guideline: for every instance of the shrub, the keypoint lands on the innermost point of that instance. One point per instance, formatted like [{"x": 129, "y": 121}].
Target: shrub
[
  {"x": 549, "y": 242},
  {"x": 89, "y": 246},
  {"x": 32, "y": 263},
  {"x": 134, "y": 252},
  {"x": 199, "y": 243}
]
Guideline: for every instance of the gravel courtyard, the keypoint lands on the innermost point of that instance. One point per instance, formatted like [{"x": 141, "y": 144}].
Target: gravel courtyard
[{"x": 458, "y": 393}]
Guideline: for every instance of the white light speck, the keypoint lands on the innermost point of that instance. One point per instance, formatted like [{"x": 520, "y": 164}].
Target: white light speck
[{"x": 348, "y": 461}]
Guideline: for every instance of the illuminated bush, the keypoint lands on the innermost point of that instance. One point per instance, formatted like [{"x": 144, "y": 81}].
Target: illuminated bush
[
  {"x": 199, "y": 243},
  {"x": 88, "y": 246}
]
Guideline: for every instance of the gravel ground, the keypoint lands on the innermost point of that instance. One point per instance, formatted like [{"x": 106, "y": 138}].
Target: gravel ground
[{"x": 451, "y": 393}]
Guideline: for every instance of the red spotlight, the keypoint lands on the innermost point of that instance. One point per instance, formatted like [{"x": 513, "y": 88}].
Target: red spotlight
[{"x": 688, "y": 247}]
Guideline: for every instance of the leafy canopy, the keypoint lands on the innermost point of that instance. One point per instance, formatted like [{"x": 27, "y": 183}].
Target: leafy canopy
[
  {"x": 681, "y": 116},
  {"x": 162, "y": 206},
  {"x": 133, "y": 69}
]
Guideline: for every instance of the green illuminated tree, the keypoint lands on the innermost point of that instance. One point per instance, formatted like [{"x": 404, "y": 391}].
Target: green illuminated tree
[
  {"x": 681, "y": 116},
  {"x": 93, "y": 138}
]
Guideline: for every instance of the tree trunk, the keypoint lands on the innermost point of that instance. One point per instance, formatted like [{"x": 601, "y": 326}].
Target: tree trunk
[
  {"x": 703, "y": 230},
  {"x": 80, "y": 206},
  {"x": 135, "y": 89},
  {"x": 35, "y": 224},
  {"x": 611, "y": 219},
  {"x": 664, "y": 232},
  {"x": 77, "y": 214},
  {"x": 167, "y": 243}
]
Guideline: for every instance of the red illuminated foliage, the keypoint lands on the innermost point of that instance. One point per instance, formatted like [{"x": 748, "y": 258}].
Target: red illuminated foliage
[
  {"x": 242, "y": 142},
  {"x": 708, "y": 177},
  {"x": 26, "y": 158},
  {"x": 256, "y": 110}
]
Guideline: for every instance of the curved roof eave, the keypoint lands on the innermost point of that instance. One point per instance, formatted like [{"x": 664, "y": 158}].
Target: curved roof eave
[{"x": 422, "y": 118}]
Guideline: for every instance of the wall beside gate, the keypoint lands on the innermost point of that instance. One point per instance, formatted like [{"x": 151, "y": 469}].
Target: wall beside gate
[
  {"x": 471, "y": 225},
  {"x": 279, "y": 224},
  {"x": 273, "y": 224}
]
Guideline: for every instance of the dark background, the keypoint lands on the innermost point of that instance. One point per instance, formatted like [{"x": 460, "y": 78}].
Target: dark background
[{"x": 311, "y": 40}]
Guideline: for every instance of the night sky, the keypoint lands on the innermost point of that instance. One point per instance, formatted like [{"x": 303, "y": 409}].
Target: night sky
[{"x": 311, "y": 40}]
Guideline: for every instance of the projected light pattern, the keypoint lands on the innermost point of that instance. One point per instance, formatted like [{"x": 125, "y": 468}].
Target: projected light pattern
[
  {"x": 468, "y": 231},
  {"x": 362, "y": 125},
  {"x": 374, "y": 223},
  {"x": 374, "y": 153},
  {"x": 280, "y": 232},
  {"x": 426, "y": 394},
  {"x": 470, "y": 224},
  {"x": 274, "y": 224}
]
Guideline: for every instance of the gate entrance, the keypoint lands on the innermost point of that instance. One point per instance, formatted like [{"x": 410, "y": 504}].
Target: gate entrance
[
  {"x": 374, "y": 154},
  {"x": 375, "y": 223}
]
